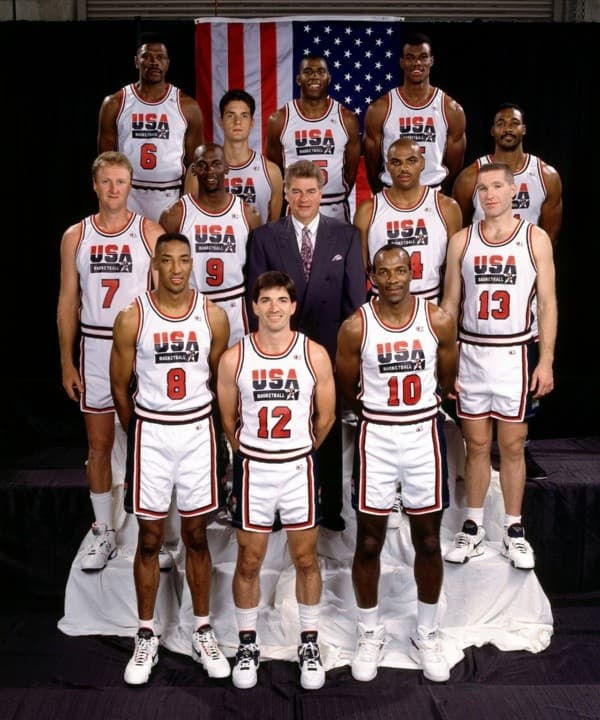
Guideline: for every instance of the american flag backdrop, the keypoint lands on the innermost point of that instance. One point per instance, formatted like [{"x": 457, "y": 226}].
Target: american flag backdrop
[{"x": 262, "y": 57}]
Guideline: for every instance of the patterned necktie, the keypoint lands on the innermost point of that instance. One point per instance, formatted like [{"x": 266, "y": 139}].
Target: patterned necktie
[{"x": 306, "y": 251}]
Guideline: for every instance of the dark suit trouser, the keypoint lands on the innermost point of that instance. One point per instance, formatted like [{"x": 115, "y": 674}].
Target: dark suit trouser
[{"x": 329, "y": 458}]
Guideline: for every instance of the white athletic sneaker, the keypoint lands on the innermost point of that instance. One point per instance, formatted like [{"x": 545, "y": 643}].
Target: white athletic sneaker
[
  {"x": 102, "y": 549},
  {"x": 424, "y": 649},
  {"x": 517, "y": 549},
  {"x": 247, "y": 659},
  {"x": 165, "y": 559},
  {"x": 369, "y": 648},
  {"x": 144, "y": 658},
  {"x": 395, "y": 517},
  {"x": 205, "y": 651},
  {"x": 312, "y": 672},
  {"x": 467, "y": 543}
]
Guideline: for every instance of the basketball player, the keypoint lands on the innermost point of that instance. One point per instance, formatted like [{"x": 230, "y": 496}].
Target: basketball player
[
  {"x": 105, "y": 261},
  {"x": 277, "y": 399},
  {"x": 156, "y": 125},
  {"x": 393, "y": 354},
  {"x": 413, "y": 216},
  {"x": 316, "y": 127},
  {"x": 170, "y": 340},
  {"x": 251, "y": 176},
  {"x": 218, "y": 224},
  {"x": 496, "y": 268},
  {"x": 418, "y": 111},
  {"x": 538, "y": 197}
]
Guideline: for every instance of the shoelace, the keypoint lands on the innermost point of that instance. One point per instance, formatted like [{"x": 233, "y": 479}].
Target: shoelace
[
  {"x": 520, "y": 545},
  {"x": 143, "y": 650},
  {"x": 309, "y": 654},
  {"x": 462, "y": 539},
  {"x": 209, "y": 644},
  {"x": 245, "y": 655},
  {"x": 429, "y": 644},
  {"x": 369, "y": 646}
]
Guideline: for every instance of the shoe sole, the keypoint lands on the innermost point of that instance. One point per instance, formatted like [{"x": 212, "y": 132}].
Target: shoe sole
[
  {"x": 311, "y": 687},
  {"x": 242, "y": 686},
  {"x": 414, "y": 655},
  {"x": 477, "y": 552},
  {"x": 198, "y": 658},
  {"x": 363, "y": 679},
  {"x": 93, "y": 570},
  {"x": 517, "y": 567}
]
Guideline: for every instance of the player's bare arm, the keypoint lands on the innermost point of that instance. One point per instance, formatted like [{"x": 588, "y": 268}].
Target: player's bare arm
[
  {"x": 550, "y": 218},
  {"x": 542, "y": 379},
  {"x": 462, "y": 192},
  {"x": 170, "y": 219},
  {"x": 362, "y": 220},
  {"x": 276, "y": 201},
  {"x": 194, "y": 135},
  {"x": 444, "y": 326},
  {"x": 452, "y": 280},
  {"x": 122, "y": 358},
  {"x": 227, "y": 392},
  {"x": 67, "y": 315},
  {"x": 451, "y": 213},
  {"x": 353, "y": 147},
  {"x": 107, "y": 123},
  {"x": 456, "y": 141},
  {"x": 273, "y": 149},
  {"x": 324, "y": 399},
  {"x": 372, "y": 142},
  {"x": 252, "y": 216},
  {"x": 347, "y": 360},
  {"x": 219, "y": 327}
]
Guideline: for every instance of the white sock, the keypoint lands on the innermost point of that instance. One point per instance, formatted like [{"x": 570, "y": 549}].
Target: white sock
[
  {"x": 511, "y": 520},
  {"x": 474, "y": 514},
  {"x": 201, "y": 620},
  {"x": 102, "y": 506},
  {"x": 146, "y": 624},
  {"x": 309, "y": 617},
  {"x": 369, "y": 617},
  {"x": 246, "y": 618},
  {"x": 427, "y": 614}
]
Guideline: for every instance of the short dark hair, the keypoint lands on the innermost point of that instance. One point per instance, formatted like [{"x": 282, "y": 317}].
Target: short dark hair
[
  {"x": 416, "y": 38},
  {"x": 271, "y": 279},
  {"x": 167, "y": 237},
  {"x": 150, "y": 38},
  {"x": 510, "y": 106},
  {"x": 237, "y": 94}
]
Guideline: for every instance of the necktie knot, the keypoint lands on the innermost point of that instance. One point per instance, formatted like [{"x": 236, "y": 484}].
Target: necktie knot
[{"x": 306, "y": 250}]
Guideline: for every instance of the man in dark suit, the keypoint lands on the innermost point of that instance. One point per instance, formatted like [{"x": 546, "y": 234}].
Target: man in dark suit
[{"x": 322, "y": 255}]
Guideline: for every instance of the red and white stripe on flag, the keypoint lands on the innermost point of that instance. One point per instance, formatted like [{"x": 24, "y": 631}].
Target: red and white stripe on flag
[
  {"x": 262, "y": 57},
  {"x": 255, "y": 55}
]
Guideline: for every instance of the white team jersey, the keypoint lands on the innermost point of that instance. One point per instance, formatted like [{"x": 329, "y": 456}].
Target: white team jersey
[
  {"x": 275, "y": 400},
  {"x": 113, "y": 269},
  {"x": 531, "y": 190},
  {"x": 171, "y": 364},
  {"x": 322, "y": 140},
  {"x": 152, "y": 135},
  {"x": 421, "y": 230},
  {"x": 398, "y": 375},
  {"x": 498, "y": 288},
  {"x": 426, "y": 125},
  {"x": 251, "y": 183},
  {"x": 218, "y": 242}
]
